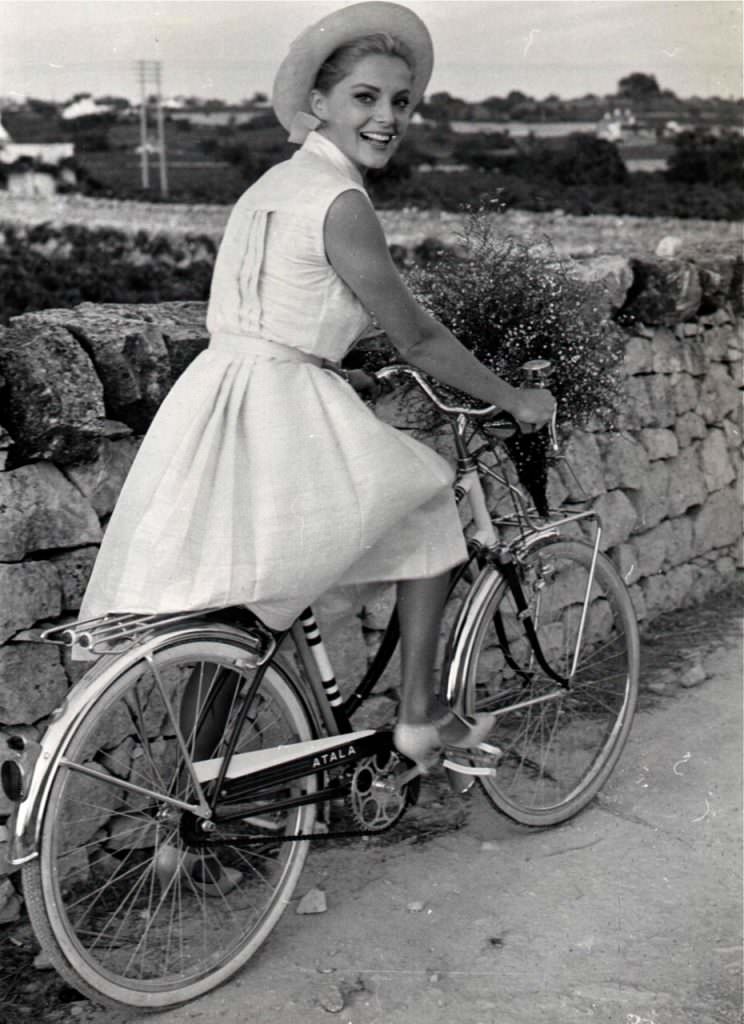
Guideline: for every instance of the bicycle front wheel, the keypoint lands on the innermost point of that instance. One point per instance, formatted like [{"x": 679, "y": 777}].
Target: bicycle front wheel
[
  {"x": 559, "y": 745},
  {"x": 129, "y": 907}
]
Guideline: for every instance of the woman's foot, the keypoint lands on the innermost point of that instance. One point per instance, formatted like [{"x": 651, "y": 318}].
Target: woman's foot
[
  {"x": 419, "y": 743},
  {"x": 425, "y": 743}
]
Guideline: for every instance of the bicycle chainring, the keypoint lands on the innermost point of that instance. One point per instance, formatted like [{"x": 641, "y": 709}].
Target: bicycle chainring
[{"x": 375, "y": 799}]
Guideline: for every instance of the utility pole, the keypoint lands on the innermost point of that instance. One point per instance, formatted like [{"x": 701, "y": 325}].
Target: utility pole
[{"x": 149, "y": 73}]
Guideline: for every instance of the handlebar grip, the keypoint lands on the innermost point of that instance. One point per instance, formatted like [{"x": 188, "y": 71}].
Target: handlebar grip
[{"x": 537, "y": 373}]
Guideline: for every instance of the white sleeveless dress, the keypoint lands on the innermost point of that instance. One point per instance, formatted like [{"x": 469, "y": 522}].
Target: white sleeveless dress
[{"x": 264, "y": 479}]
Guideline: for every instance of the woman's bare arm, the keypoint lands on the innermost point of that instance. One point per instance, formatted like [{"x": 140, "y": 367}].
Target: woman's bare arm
[{"x": 357, "y": 250}]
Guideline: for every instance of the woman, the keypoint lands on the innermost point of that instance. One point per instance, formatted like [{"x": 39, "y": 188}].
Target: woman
[{"x": 264, "y": 478}]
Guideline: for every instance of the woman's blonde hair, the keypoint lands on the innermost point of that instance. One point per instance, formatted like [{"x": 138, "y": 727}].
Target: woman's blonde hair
[{"x": 342, "y": 60}]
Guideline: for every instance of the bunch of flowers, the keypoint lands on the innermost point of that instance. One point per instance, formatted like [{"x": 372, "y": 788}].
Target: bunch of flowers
[{"x": 509, "y": 302}]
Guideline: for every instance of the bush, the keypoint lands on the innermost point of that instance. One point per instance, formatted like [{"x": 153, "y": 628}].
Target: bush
[
  {"x": 47, "y": 267},
  {"x": 508, "y": 303},
  {"x": 701, "y": 157}
]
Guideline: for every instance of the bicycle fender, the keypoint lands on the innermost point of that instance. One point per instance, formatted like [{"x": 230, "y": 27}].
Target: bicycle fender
[
  {"x": 460, "y": 644},
  {"x": 39, "y": 762}
]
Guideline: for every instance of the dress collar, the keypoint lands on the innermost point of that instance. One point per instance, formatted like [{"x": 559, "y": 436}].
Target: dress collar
[{"x": 320, "y": 146}]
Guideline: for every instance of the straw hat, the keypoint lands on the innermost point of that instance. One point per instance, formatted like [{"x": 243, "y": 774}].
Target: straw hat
[{"x": 298, "y": 71}]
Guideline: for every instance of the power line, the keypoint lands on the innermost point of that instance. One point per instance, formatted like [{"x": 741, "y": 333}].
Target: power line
[{"x": 149, "y": 73}]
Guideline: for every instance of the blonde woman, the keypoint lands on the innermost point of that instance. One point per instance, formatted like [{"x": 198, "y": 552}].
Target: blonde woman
[{"x": 265, "y": 479}]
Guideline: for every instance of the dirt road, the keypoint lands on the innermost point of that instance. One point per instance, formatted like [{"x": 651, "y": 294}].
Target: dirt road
[{"x": 629, "y": 914}]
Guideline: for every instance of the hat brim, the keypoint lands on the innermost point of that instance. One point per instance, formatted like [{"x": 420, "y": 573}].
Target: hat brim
[{"x": 297, "y": 73}]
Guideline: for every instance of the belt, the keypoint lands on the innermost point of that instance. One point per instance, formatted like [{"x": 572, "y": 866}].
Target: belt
[{"x": 247, "y": 346}]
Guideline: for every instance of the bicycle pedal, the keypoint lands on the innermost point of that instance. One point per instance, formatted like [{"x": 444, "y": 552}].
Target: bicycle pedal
[
  {"x": 459, "y": 782},
  {"x": 478, "y": 761},
  {"x": 479, "y": 770}
]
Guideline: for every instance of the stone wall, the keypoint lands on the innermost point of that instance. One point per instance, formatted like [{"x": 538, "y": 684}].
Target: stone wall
[{"x": 79, "y": 387}]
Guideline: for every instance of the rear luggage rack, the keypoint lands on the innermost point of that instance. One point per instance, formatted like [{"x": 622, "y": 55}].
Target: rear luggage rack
[{"x": 118, "y": 633}]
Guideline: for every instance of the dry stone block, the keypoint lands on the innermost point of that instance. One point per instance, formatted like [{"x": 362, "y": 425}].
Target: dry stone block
[
  {"x": 681, "y": 585},
  {"x": 718, "y": 523},
  {"x": 32, "y": 682},
  {"x": 378, "y": 606},
  {"x": 618, "y": 518},
  {"x": 707, "y": 581},
  {"x": 30, "y": 591},
  {"x": 719, "y": 395},
  {"x": 101, "y": 481},
  {"x": 625, "y": 462},
  {"x": 10, "y": 903},
  {"x": 556, "y": 489},
  {"x": 583, "y": 455},
  {"x": 638, "y": 601},
  {"x": 184, "y": 331},
  {"x": 612, "y": 277},
  {"x": 338, "y": 613},
  {"x": 714, "y": 457},
  {"x": 40, "y": 509},
  {"x": 686, "y": 483},
  {"x": 657, "y": 594},
  {"x": 666, "y": 292},
  {"x": 6, "y": 754},
  {"x": 716, "y": 278},
  {"x": 6, "y": 442},
  {"x": 651, "y": 499},
  {"x": 6, "y": 868},
  {"x": 666, "y": 352},
  {"x": 638, "y": 356},
  {"x": 74, "y": 568},
  {"x": 651, "y": 548},
  {"x": 638, "y": 411},
  {"x": 660, "y": 397},
  {"x": 716, "y": 341},
  {"x": 685, "y": 394},
  {"x": 626, "y": 562},
  {"x": 659, "y": 443},
  {"x": 53, "y": 399},
  {"x": 679, "y": 540},
  {"x": 726, "y": 567},
  {"x": 130, "y": 357},
  {"x": 733, "y": 435},
  {"x": 689, "y": 428},
  {"x": 694, "y": 358}
]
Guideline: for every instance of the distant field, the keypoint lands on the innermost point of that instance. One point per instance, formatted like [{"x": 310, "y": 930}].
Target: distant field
[{"x": 570, "y": 235}]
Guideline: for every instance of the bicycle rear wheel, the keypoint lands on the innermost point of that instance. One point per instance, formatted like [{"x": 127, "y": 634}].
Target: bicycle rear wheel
[
  {"x": 561, "y": 745},
  {"x": 130, "y": 909}
]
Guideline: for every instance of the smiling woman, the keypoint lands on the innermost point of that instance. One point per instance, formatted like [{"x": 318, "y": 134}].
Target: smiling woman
[
  {"x": 264, "y": 478},
  {"x": 367, "y": 110},
  {"x": 362, "y": 98}
]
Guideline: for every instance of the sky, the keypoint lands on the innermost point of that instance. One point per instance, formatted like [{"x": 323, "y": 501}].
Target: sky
[{"x": 230, "y": 49}]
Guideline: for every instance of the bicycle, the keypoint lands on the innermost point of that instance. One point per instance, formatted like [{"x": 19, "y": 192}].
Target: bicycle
[{"x": 164, "y": 819}]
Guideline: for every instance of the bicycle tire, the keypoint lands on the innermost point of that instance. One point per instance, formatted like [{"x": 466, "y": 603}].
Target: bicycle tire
[
  {"x": 556, "y": 755},
  {"x": 127, "y": 911}
]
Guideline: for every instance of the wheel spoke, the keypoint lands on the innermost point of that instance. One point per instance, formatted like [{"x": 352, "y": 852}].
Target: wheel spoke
[
  {"x": 557, "y": 752},
  {"x": 151, "y": 920}
]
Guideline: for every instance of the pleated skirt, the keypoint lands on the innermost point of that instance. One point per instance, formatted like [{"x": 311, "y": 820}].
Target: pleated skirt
[{"x": 265, "y": 483}]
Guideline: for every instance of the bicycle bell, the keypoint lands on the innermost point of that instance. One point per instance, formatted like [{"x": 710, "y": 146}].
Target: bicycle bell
[{"x": 537, "y": 372}]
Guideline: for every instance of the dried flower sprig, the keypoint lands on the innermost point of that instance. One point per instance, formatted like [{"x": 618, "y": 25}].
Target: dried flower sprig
[{"x": 510, "y": 302}]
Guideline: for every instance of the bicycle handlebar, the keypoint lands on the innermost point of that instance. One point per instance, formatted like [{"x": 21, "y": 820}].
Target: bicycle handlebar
[{"x": 536, "y": 371}]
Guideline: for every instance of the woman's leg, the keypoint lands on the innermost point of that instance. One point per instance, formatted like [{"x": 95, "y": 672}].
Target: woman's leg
[
  {"x": 420, "y": 607},
  {"x": 425, "y": 721}
]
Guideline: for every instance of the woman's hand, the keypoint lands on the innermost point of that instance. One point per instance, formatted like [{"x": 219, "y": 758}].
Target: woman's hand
[
  {"x": 364, "y": 384},
  {"x": 532, "y": 407}
]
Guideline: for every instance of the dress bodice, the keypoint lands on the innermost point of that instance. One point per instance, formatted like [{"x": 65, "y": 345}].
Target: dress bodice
[{"x": 272, "y": 278}]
